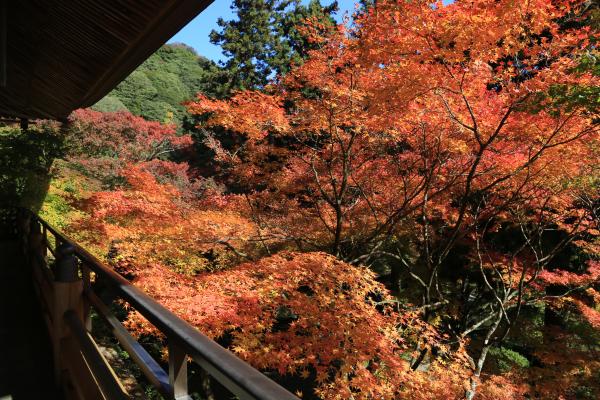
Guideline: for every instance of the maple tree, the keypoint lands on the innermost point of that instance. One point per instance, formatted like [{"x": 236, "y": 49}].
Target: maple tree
[
  {"x": 147, "y": 221},
  {"x": 425, "y": 144},
  {"x": 103, "y": 143},
  {"x": 270, "y": 308},
  {"x": 280, "y": 313}
]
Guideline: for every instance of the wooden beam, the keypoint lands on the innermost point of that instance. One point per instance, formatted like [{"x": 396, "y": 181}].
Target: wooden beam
[
  {"x": 3, "y": 47},
  {"x": 63, "y": 55}
]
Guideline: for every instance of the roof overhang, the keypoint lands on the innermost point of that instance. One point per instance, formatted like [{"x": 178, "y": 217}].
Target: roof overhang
[{"x": 61, "y": 55}]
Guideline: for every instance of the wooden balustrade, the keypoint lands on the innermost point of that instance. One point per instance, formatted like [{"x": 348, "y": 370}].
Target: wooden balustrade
[{"x": 62, "y": 272}]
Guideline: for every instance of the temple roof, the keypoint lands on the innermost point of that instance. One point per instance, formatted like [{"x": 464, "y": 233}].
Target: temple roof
[{"x": 62, "y": 55}]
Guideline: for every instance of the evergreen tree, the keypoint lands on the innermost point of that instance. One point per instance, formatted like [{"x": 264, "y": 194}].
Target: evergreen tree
[
  {"x": 264, "y": 40},
  {"x": 298, "y": 43}
]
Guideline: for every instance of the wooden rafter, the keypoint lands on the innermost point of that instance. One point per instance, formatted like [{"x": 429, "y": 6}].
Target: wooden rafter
[{"x": 62, "y": 55}]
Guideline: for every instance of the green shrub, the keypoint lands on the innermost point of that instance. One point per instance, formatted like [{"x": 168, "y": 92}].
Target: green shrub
[
  {"x": 25, "y": 161},
  {"x": 506, "y": 359}
]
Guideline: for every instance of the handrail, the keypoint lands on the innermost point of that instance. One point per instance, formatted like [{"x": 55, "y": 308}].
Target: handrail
[
  {"x": 236, "y": 375},
  {"x": 151, "y": 369},
  {"x": 94, "y": 359}
]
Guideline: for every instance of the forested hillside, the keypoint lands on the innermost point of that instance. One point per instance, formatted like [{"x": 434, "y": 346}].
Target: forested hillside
[
  {"x": 157, "y": 89},
  {"x": 404, "y": 207}
]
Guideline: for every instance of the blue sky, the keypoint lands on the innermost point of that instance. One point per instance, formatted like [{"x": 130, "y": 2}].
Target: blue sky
[{"x": 196, "y": 32}]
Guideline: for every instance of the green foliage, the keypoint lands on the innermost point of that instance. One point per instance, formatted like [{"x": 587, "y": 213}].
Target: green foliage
[
  {"x": 161, "y": 111},
  {"x": 506, "y": 359},
  {"x": 67, "y": 186},
  {"x": 581, "y": 97},
  {"x": 136, "y": 91},
  {"x": 584, "y": 393},
  {"x": 264, "y": 40},
  {"x": 297, "y": 41},
  {"x": 157, "y": 88},
  {"x": 110, "y": 104},
  {"x": 55, "y": 208},
  {"x": 197, "y": 73},
  {"x": 25, "y": 161},
  {"x": 169, "y": 85},
  {"x": 531, "y": 327}
]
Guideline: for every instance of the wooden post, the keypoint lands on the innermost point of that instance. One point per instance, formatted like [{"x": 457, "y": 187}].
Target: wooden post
[
  {"x": 23, "y": 230},
  {"x": 3, "y": 41},
  {"x": 36, "y": 248},
  {"x": 87, "y": 286},
  {"x": 68, "y": 292},
  {"x": 178, "y": 371},
  {"x": 24, "y": 124}
]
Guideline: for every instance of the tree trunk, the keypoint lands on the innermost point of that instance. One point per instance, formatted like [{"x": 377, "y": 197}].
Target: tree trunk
[
  {"x": 487, "y": 343},
  {"x": 419, "y": 359}
]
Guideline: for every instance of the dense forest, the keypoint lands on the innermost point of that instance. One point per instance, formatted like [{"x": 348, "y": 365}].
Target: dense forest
[
  {"x": 405, "y": 206},
  {"x": 157, "y": 88}
]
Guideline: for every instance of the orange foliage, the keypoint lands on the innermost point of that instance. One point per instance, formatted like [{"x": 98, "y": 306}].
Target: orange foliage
[
  {"x": 146, "y": 221},
  {"x": 300, "y": 313},
  {"x": 570, "y": 278},
  {"x": 433, "y": 112},
  {"x": 438, "y": 123},
  {"x": 255, "y": 114}
]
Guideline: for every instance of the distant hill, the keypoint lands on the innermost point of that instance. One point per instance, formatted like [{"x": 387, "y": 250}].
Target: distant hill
[{"x": 156, "y": 89}]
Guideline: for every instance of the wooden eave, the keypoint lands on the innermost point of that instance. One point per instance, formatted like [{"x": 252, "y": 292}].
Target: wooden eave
[{"x": 67, "y": 54}]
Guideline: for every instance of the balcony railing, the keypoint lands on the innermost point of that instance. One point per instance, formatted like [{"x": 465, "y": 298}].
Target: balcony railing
[{"x": 68, "y": 297}]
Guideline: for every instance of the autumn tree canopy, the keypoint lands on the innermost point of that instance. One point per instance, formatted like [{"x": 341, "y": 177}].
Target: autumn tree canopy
[{"x": 445, "y": 141}]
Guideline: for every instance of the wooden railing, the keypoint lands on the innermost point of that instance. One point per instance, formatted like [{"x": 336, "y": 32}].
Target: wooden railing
[{"x": 67, "y": 294}]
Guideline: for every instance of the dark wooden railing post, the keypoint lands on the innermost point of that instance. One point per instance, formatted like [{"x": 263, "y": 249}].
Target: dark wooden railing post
[
  {"x": 36, "y": 248},
  {"x": 23, "y": 229},
  {"x": 178, "y": 371},
  {"x": 68, "y": 291},
  {"x": 86, "y": 276}
]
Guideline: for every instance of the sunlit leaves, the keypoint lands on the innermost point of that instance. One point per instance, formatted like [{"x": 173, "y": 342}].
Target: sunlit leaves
[{"x": 297, "y": 313}]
